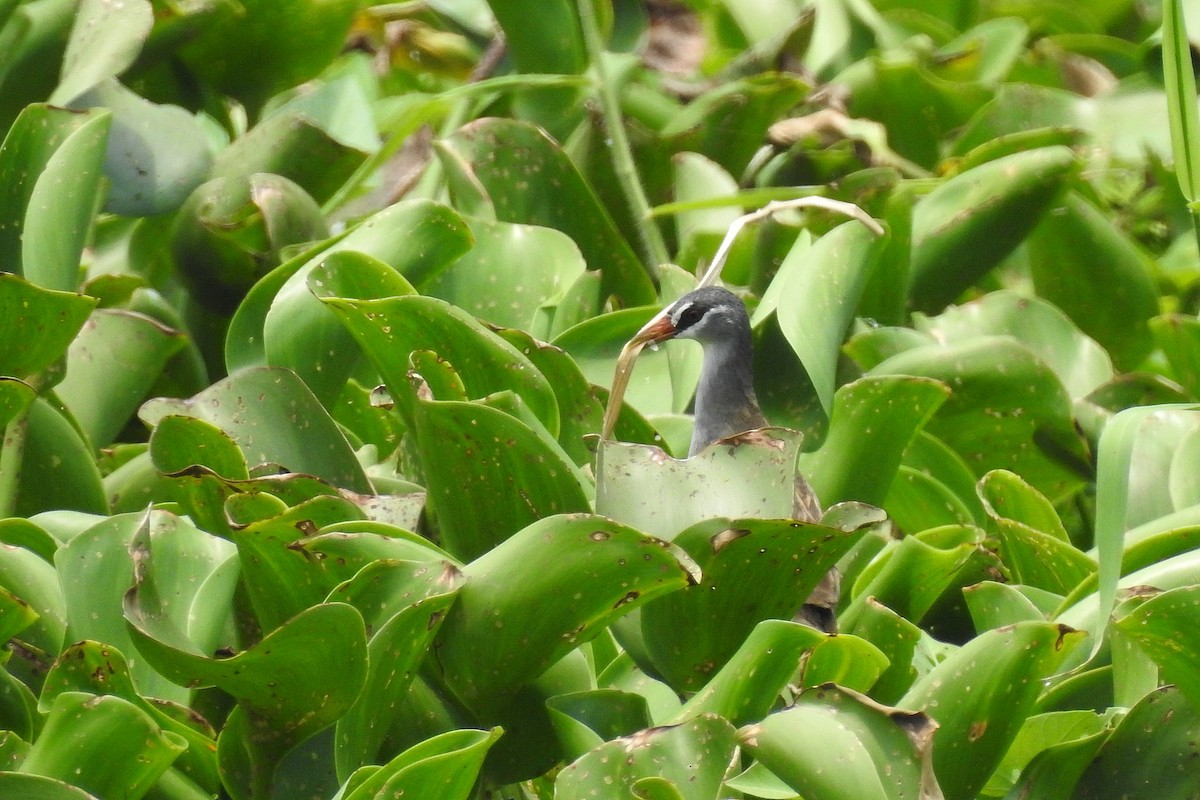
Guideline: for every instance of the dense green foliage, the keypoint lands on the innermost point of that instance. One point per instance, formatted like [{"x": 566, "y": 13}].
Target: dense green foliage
[{"x": 309, "y": 307}]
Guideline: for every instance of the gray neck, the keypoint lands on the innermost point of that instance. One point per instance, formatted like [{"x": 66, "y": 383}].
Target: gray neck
[{"x": 725, "y": 399}]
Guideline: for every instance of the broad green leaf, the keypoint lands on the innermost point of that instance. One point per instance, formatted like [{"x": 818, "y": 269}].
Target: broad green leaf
[
  {"x": 510, "y": 622},
  {"x": 899, "y": 91},
  {"x": 755, "y": 478},
  {"x": 910, "y": 577},
  {"x": 579, "y": 409},
  {"x": 39, "y": 325},
  {"x": 394, "y": 653},
  {"x": 872, "y": 422},
  {"x": 851, "y": 662},
  {"x": 898, "y": 640},
  {"x": 51, "y": 161},
  {"x": 751, "y": 570},
  {"x": 969, "y": 223},
  {"x": 275, "y": 420},
  {"x": 299, "y": 679},
  {"x": 692, "y": 756},
  {"x": 1178, "y": 336},
  {"x": 37, "y": 787},
  {"x": 510, "y": 273},
  {"x": 586, "y": 720},
  {"x": 101, "y": 669},
  {"x": 1004, "y": 402},
  {"x": 1076, "y": 250},
  {"x": 111, "y": 365},
  {"x": 531, "y": 180},
  {"x": 294, "y": 146},
  {"x": 105, "y": 40},
  {"x": 414, "y": 239},
  {"x": 700, "y": 230},
  {"x": 1130, "y": 763},
  {"x": 994, "y": 605},
  {"x": 443, "y": 767},
  {"x": 103, "y": 744},
  {"x": 830, "y": 279},
  {"x": 981, "y": 696},
  {"x": 279, "y": 578},
  {"x": 1077, "y": 360},
  {"x": 247, "y": 51},
  {"x": 231, "y": 232},
  {"x": 489, "y": 473},
  {"x": 57, "y": 469},
  {"x": 881, "y": 753},
  {"x": 729, "y": 122},
  {"x": 1164, "y": 627},
  {"x": 746, "y": 687},
  {"x": 156, "y": 154},
  {"x": 1115, "y": 455},
  {"x": 1040, "y": 734},
  {"x": 390, "y": 329}
]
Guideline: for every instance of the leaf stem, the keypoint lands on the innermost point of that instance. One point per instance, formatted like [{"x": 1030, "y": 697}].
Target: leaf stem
[{"x": 653, "y": 247}]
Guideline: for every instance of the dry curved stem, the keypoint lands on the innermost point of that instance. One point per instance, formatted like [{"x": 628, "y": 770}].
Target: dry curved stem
[{"x": 633, "y": 347}]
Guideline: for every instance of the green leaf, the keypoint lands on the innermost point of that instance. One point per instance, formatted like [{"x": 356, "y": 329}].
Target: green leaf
[
  {"x": 1093, "y": 271},
  {"x": 752, "y": 570},
  {"x": 415, "y": 239},
  {"x": 105, "y": 40},
  {"x": 105, "y": 745},
  {"x": 1005, "y": 400},
  {"x": 101, "y": 669},
  {"x": 911, "y": 576},
  {"x": 882, "y": 753},
  {"x": 58, "y": 469},
  {"x": 248, "y": 50},
  {"x": 1130, "y": 763},
  {"x": 691, "y": 756},
  {"x": 51, "y": 161},
  {"x": 493, "y": 280},
  {"x": 1164, "y": 627},
  {"x": 872, "y": 422},
  {"x": 981, "y": 696},
  {"x": 755, "y": 478},
  {"x": 1180, "y": 82},
  {"x": 830, "y": 275},
  {"x": 398, "y": 644},
  {"x": 111, "y": 365},
  {"x": 1080, "y": 363},
  {"x": 391, "y": 329},
  {"x": 529, "y": 179},
  {"x": 515, "y": 473},
  {"x": 231, "y": 231},
  {"x": 968, "y": 224},
  {"x": 295, "y": 146},
  {"x": 275, "y": 420},
  {"x": 509, "y": 623},
  {"x": 39, "y": 325},
  {"x": 746, "y": 687},
  {"x": 443, "y": 767},
  {"x": 156, "y": 154}
]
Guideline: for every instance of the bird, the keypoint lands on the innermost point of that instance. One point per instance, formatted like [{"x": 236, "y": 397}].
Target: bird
[{"x": 726, "y": 403}]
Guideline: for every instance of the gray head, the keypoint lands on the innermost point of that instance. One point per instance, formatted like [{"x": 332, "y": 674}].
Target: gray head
[{"x": 710, "y": 315}]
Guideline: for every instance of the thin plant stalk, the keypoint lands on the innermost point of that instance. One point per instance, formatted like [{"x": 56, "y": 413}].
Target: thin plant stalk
[
  {"x": 1180, "y": 83},
  {"x": 653, "y": 246}
]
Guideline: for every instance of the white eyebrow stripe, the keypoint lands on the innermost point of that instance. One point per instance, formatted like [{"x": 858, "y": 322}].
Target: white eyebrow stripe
[{"x": 679, "y": 312}]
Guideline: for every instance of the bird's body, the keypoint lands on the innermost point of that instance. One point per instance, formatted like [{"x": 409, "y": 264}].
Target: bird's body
[{"x": 726, "y": 403}]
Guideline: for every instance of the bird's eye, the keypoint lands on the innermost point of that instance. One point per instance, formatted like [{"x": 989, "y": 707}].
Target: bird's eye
[{"x": 688, "y": 317}]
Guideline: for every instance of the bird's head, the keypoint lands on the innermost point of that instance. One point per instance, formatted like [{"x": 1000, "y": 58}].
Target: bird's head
[{"x": 710, "y": 314}]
